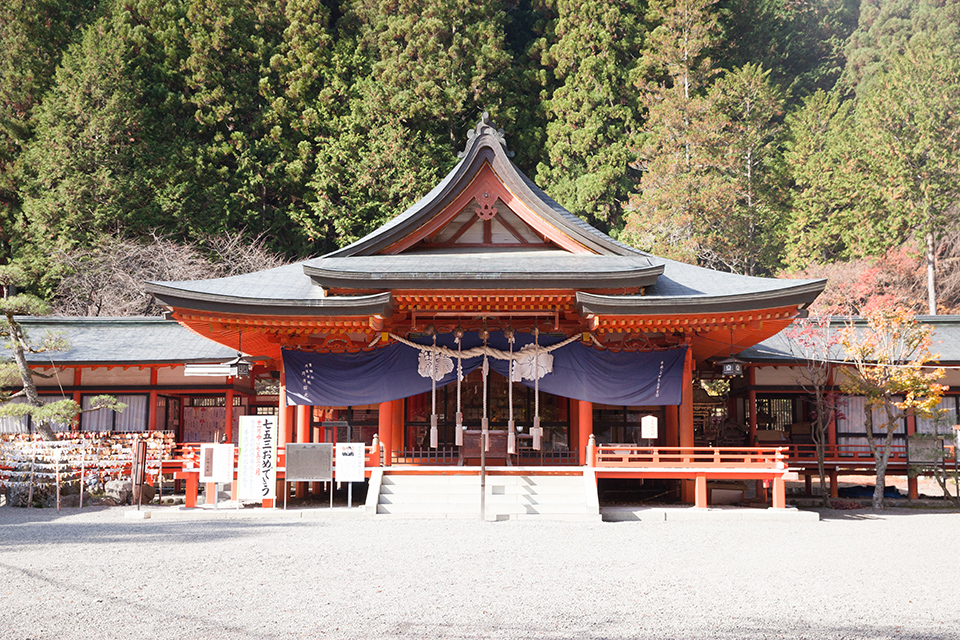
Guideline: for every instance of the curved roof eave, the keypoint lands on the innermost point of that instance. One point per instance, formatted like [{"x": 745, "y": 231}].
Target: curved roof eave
[
  {"x": 485, "y": 145},
  {"x": 799, "y": 295},
  {"x": 366, "y": 305}
]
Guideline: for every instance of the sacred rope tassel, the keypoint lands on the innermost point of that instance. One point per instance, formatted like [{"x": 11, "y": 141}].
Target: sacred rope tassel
[
  {"x": 458, "y": 333},
  {"x": 511, "y": 427},
  {"x": 434, "y": 434},
  {"x": 485, "y": 421},
  {"x": 535, "y": 431}
]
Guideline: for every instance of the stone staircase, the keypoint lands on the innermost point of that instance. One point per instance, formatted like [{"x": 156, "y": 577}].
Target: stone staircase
[{"x": 508, "y": 496}]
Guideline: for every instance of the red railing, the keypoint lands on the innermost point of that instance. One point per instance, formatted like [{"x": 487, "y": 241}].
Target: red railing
[
  {"x": 681, "y": 457},
  {"x": 850, "y": 455}
]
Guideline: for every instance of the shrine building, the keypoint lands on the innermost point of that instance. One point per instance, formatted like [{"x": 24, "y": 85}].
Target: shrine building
[{"x": 486, "y": 323}]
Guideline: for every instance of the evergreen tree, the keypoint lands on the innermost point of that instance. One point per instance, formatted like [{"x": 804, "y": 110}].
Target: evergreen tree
[
  {"x": 747, "y": 239},
  {"x": 593, "y": 111},
  {"x": 885, "y": 29},
  {"x": 683, "y": 187},
  {"x": 909, "y": 122},
  {"x": 800, "y": 43},
  {"x": 33, "y": 36},
  {"x": 825, "y": 166},
  {"x": 420, "y": 77},
  {"x": 92, "y": 160}
]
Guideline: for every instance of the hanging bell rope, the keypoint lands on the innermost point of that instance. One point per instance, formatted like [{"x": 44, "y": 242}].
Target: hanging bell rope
[
  {"x": 536, "y": 431},
  {"x": 458, "y": 335},
  {"x": 434, "y": 434},
  {"x": 485, "y": 421}
]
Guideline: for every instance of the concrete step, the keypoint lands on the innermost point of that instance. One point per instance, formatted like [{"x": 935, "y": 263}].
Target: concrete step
[{"x": 557, "y": 497}]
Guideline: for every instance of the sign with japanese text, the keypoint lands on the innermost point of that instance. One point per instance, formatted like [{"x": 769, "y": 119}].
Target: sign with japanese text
[
  {"x": 216, "y": 463},
  {"x": 350, "y": 462},
  {"x": 648, "y": 427},
  {"x": 257, "y": 464}
]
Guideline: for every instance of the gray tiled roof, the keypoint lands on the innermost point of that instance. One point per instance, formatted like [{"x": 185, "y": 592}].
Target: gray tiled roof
[
  {"x": 777, "y": 349},
  {"x": 281, "y": 283},
  {"x": 138, "y": 340},
  {"x": 497, "y": 268},
  {"x": 681, "y": 288}
]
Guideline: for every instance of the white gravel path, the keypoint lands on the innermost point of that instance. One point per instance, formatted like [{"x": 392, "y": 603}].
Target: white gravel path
[{"x": 96, "y": 574}]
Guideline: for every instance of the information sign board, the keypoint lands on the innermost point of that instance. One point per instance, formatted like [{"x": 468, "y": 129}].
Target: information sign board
[
  {"x": 350, "y": 462},
  {"x": 309, "y": 462},
  {"x": 257, "y": 466},
  {"x": 216, "y": 463}
]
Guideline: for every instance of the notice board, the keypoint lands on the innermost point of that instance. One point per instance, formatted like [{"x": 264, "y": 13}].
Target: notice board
[{"x": 309, "y": 462}]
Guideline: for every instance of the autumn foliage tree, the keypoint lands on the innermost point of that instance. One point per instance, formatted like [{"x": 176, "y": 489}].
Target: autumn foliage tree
[
  {"x": 890, "y": 362},
  {"x": 813, "y": 343}
]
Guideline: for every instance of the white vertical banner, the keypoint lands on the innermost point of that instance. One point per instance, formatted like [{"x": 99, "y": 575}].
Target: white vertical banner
[
  {"x": 257, "y": 464},
  {"x": 350, "y": 462}
]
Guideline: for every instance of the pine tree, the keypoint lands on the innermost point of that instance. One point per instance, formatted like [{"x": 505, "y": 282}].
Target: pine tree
[{"x": 593, "y": 111}]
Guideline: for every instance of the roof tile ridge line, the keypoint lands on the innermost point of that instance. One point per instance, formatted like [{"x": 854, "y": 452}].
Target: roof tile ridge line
[{"x": 384, "y": 236}]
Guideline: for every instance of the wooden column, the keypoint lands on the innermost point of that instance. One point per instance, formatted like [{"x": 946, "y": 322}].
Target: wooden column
[
  {"x": 687, "y": 490},
  {"x": 151, "y": 401},
  {"x": 385, "y": 430},
  {"x": 397, "y": 427},
  {"x": 671, "y": 425},
  {"x": 584, "y": 427},
  {"x": 303, "y": 435},
  {"x": 575, "y": 425},
  {"x": 752, "y": 406},
  {"x": 228, "y": 427},
  {"x": 282, "y": 412},
  {"x": 77, "y": 396}
]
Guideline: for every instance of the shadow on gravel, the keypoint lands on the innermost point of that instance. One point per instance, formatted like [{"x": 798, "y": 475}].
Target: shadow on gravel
[
  {"x": 139, "y": 532},
  {"x": 827, "y": 515}
]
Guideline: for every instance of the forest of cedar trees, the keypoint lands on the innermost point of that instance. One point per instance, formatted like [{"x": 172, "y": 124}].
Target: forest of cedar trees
[{"x": 790, "y": 138}]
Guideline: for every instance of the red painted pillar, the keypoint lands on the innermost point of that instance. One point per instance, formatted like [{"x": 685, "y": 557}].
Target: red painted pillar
[
  {"x": 282, "y": 412},
  {"x": 672, "y": 425},
  {"x": 686, "y": 419},
  {"x": 397, "y": 427},
  {"x": 385, "y": 429},
  {"x": 752, "y": 396},
  {"x": 575, "y": 425},
  {"x": 77, "y": 396},
  {"x": 152, "y": 401},
  {"x": 779, "y": 493},
  {"x": 700, "y": 499},
  {"x": 228, "y": 427},
  {"x": 303, "y": 435},
  {"x": 585, "y": 427}
]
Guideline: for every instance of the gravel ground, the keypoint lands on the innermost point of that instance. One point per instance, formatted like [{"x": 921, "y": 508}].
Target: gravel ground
[{"x": 97, "y": 574}]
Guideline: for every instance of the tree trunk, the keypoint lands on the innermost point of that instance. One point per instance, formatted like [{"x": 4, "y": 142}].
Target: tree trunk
[
  {"x": 931, "y": 258},
  {"x": 17, "y": 342}
]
